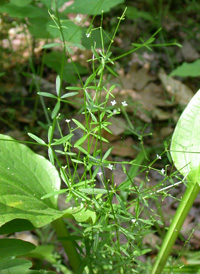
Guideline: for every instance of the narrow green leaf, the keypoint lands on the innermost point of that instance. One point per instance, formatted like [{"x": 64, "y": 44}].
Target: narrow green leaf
[
  {"x": 55, "y": 110},
  {"x": 62, "y": 140},
  {"x": 73, "y": 88},
  {"x": 47, "y": 94},
  {"x": 51, "y": 156},
  {"x": 51, "y": 45},
  {"x": 79, "y": 124},
  {"x": 120, "y": 202},
  {"x": 100, "y": 138},
  {"x": 49, "y": 133},
  {"x": 112, "y": 71},
  {"x": 81, "y": 140},
  {"x": 70, "y": 94},
  {"x": 77, "y": 161},
  {"x": 58, "y": 85},
  {"x": 83, "y": 150},
  {"x": 37, "y": 139},
  {"x": 93, "y": 190},
  {"x": 54, "y": 193},
  {"x": 107, "y": 153},
  {"x": 89, "y": 79}
]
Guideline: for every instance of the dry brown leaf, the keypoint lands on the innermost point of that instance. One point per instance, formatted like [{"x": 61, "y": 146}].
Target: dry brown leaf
[
  {"x": 189, "y": 52},
  {"x": 118, "y": 125},
  {"x": 124, "y": 148},
  {"x": 19, "y": 42},
  {"x": 135, "y": 79},
  {"x": 181, "y": 93},
  {"x": 160, "y": 114}
]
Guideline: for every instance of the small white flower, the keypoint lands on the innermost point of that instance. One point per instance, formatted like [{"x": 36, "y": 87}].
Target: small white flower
[
  {"x": 124, "y": 104},
  {"x": 110, "y": 167},
  {"x": 113, "y": 102},
  {"x": 99, "y": 173},
  {"x": 133, "y": 220},
  {"x": 158, "y": 156},
  {"x": 88, "y": 35},
  {"x": 78, "y": 18},
  {"x": 163, "y": 171},
  {"x": 114, "y": 111},
  {"x": 67, "y": 120}
]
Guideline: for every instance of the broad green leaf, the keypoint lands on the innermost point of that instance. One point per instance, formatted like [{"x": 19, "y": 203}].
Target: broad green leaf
[
  {"x": 14, "y": 247},
  {"x": 54, "y": 61},
  {"x": 187, "y": 69},
  {"x": 72, "y": 32},
  {"x": 81, "y": 214},
  {"x": 19, "y": 266},
  {"x": 92, "y": 7},
  {"x": 14, "y": 266},
  {"x": 48, "y": 3},
  {"x": 21, "y": 3},
  {"x": 38, "y": 27},
  {"x": 43, "y": 252},
  {"x": 22, "y": 12},
  {"x": 134, "y": 14},
  {"x": 16, "y": 225},
  {"x": 47, "y": 253},
  {"x": 185, "y": 145},
  {"x": 95, "y": 38},
  {"x": 25, "y": 177}
]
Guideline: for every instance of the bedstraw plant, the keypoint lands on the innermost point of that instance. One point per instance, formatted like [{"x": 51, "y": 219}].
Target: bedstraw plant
[{"x": 106, "y": 236}]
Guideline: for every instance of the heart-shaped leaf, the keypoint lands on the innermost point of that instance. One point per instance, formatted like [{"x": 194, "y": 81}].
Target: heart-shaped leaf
[
  {"x": 14, "y": 266},
  {"x": 24, "y": 178},
  {"x": 19, "y": 266},
  {"x": 14, "y": 247},
  {"x": 185, "y": 145}
]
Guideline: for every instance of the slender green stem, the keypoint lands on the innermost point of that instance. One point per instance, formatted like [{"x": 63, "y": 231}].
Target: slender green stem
[
  {"x": 175, "y": 227},
  {"x": 68, "y": 245}
]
